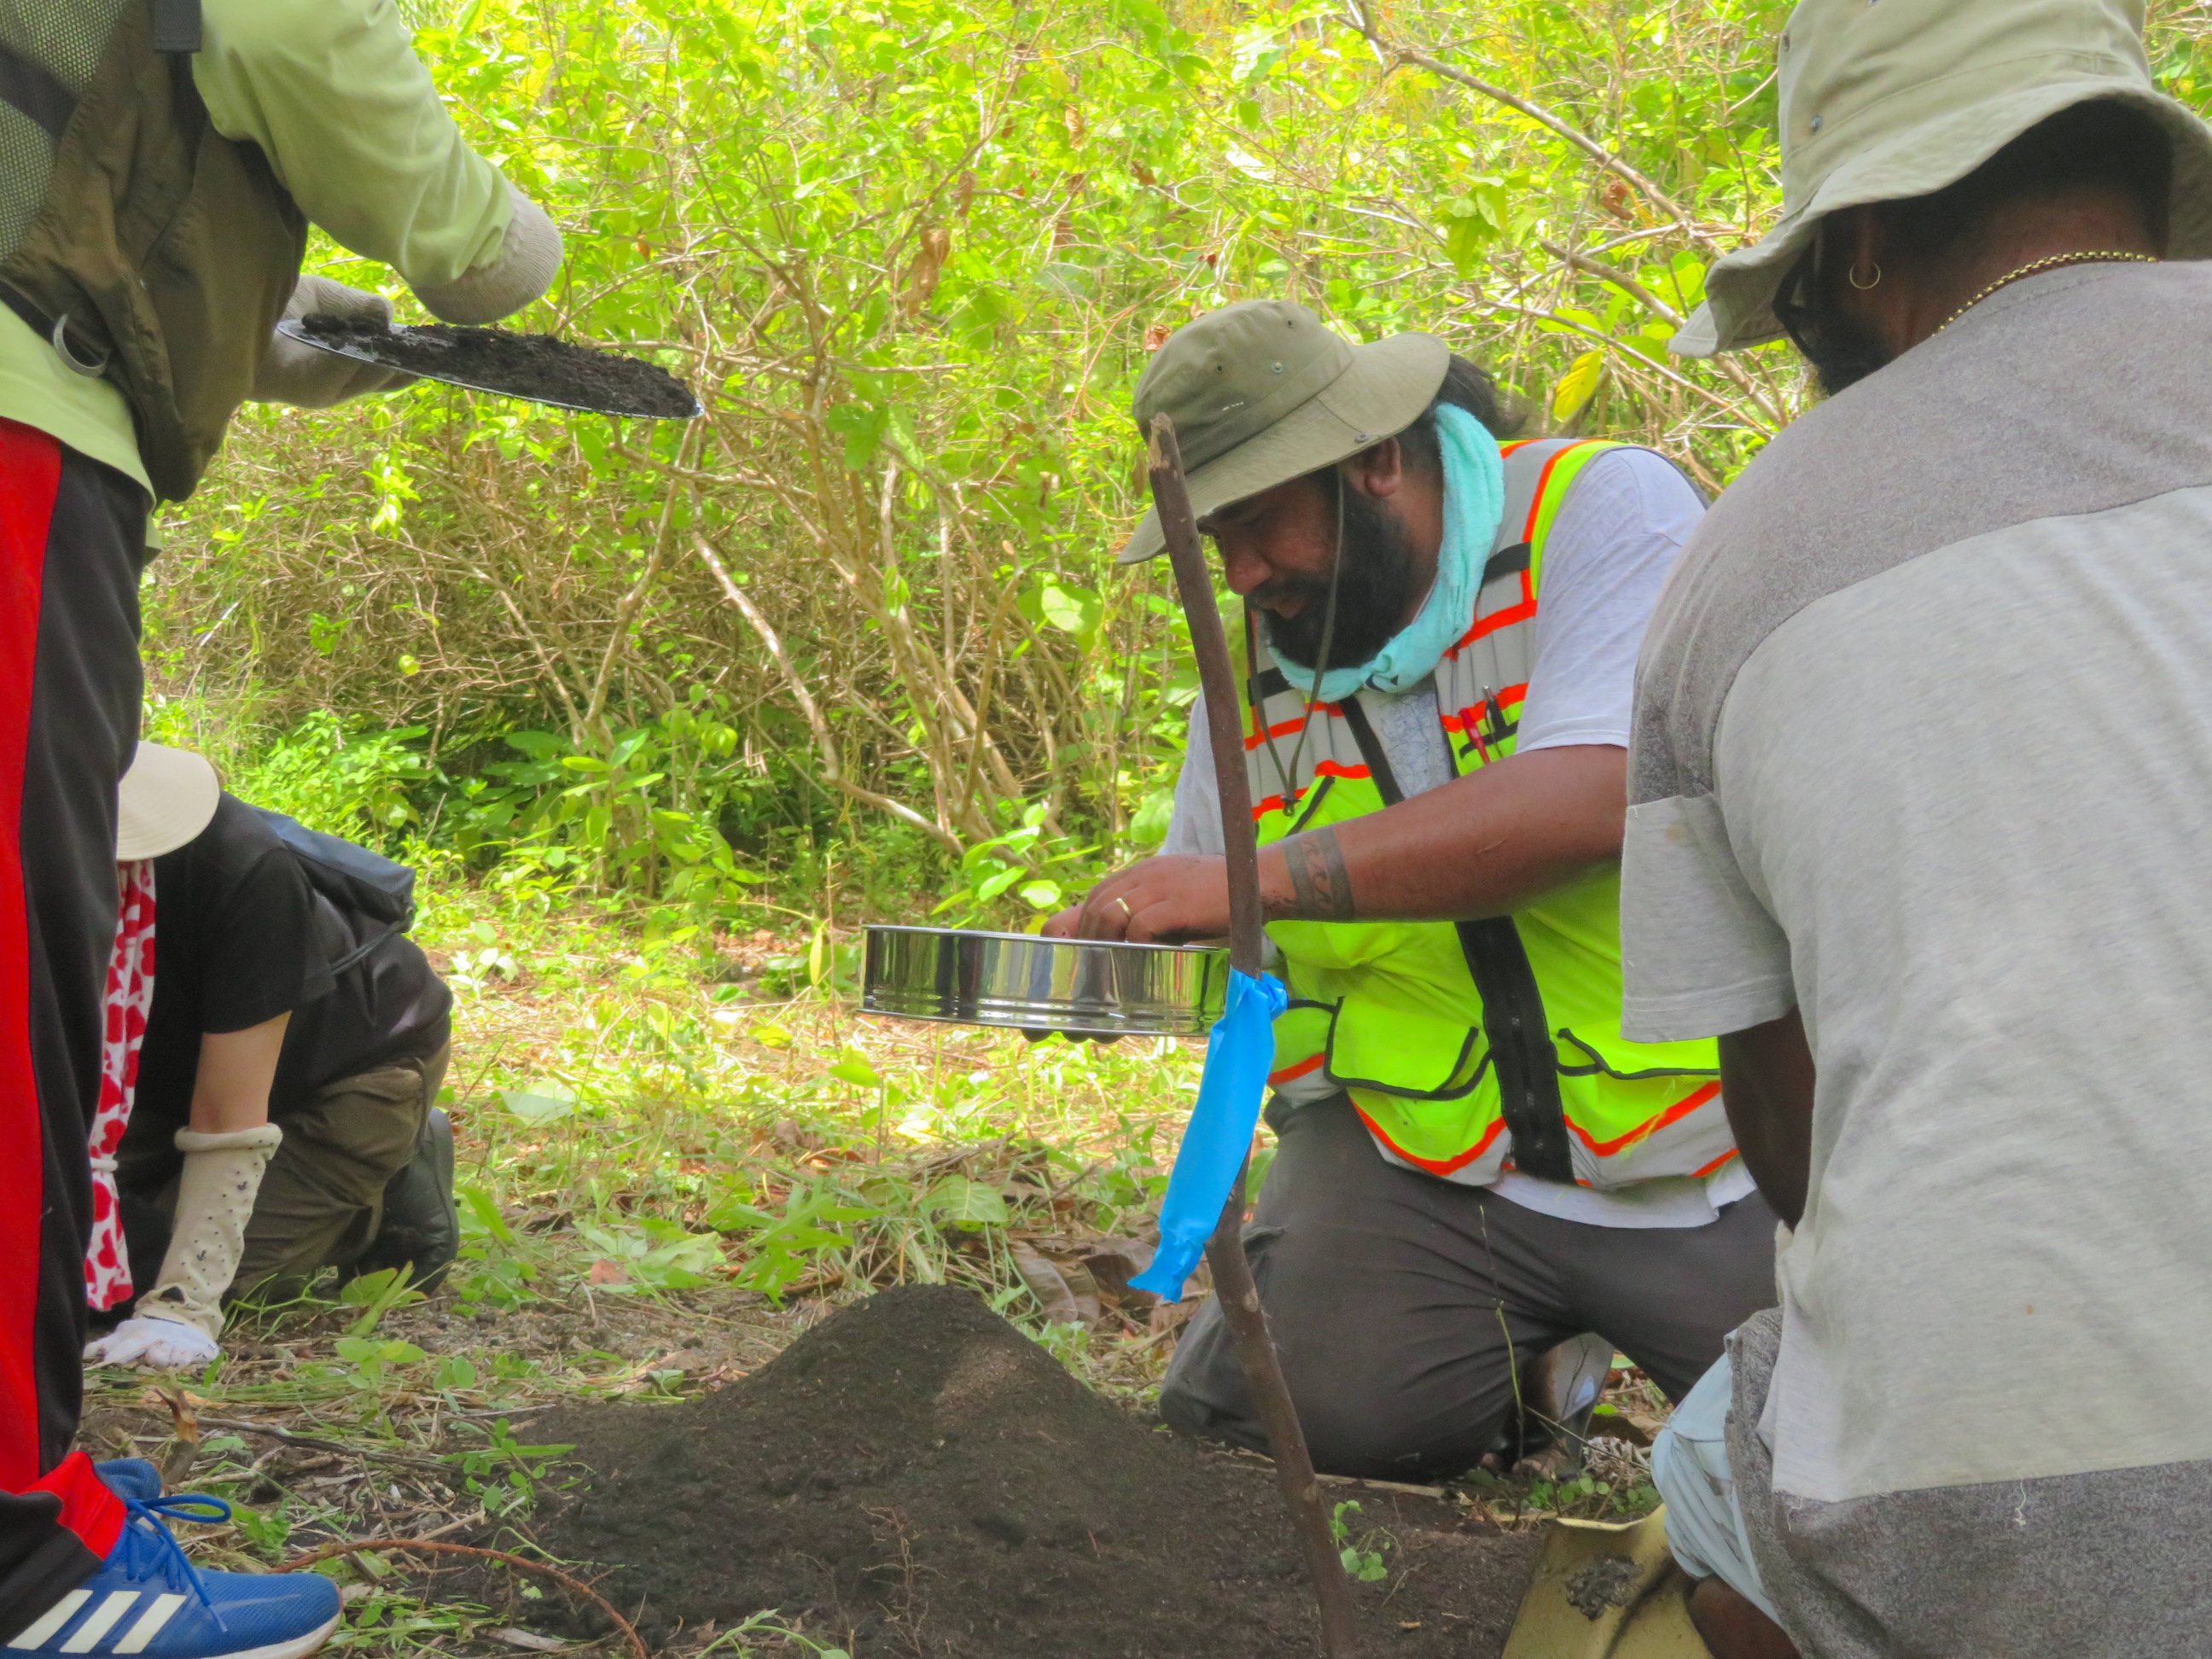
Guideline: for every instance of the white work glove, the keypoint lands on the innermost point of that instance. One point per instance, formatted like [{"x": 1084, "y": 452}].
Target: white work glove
[
  {"x": 306, "y": 378},
  {"x": 221, "y": 1178},
  {"x": 153, "y": 1343}
]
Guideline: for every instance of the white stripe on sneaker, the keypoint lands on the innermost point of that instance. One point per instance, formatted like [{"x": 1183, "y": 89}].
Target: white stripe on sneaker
[
  {"x": 52, "y": 1620},
  {"x": 101, "y": 1620},
  {"x": 149, "y": 1624}
]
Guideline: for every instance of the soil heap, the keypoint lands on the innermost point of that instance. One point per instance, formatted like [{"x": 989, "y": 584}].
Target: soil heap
[{"x": 915, "y": 1478}]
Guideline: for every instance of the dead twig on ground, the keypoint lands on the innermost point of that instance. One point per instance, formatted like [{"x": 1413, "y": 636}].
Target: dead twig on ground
[
  {"x": 186, "y": 1450},
  {"x": 315, "y": 1442}
]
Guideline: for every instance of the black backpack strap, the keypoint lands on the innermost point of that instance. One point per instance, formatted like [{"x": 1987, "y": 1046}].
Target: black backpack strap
[
  {"x": 30, "y": 88},
  {"x": 1513, "y": 1017},
  {"x": 367, "y": 947},
  {"x": 177, "y": 25},
  {"x": 1527, "y": 1065}
]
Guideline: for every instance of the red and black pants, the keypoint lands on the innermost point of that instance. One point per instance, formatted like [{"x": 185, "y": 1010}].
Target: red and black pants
[{"x": 72, "y": 542}]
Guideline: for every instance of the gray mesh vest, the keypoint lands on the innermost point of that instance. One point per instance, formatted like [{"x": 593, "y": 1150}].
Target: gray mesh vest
[{"x": 150, "y": 250}]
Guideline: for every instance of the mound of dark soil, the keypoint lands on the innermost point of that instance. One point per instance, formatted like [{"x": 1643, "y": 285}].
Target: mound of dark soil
[
  {"x": 534, "y": 366},
  {"x": 916, "y": 1479}
]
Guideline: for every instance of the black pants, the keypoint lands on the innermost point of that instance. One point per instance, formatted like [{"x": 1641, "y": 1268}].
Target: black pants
[
  {"x": 1402, "y": 1304},
  {"x": 72, "y": 539}
]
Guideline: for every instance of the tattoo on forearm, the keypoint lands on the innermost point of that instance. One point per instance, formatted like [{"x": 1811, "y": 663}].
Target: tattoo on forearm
[{"x": 1318, "y": 877}]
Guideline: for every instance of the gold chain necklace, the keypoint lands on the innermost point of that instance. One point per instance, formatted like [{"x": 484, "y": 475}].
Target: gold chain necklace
[{"x": 2041, "y": 265}]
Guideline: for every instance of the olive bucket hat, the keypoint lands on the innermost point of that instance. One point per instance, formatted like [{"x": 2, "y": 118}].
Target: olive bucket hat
[
  {"x": 1261, "y": 393},
  {"x": 1883, "y": 100}
]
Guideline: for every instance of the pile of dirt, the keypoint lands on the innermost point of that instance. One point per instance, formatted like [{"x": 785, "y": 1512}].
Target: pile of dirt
[
  {"x": 538, "y": 366},
  {"x": 915, "y": 1478}
]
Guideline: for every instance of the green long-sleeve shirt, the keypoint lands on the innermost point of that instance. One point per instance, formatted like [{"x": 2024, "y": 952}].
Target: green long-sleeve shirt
[{"x": 333, "y": 94}]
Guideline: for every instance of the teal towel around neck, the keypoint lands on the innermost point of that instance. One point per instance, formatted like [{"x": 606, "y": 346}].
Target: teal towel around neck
[{"x": 1475, "y": 499}]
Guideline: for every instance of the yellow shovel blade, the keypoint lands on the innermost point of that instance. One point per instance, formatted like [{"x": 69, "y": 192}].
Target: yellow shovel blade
[{"x": 1606, "y": 1591}]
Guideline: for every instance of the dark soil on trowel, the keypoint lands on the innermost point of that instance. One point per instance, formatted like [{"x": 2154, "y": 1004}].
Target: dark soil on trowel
[
  {"x": 913, "y": 1478},
  {"x": 533, "y": 366}
]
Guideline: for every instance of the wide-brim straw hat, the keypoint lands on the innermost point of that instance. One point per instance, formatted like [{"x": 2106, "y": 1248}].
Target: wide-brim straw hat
[
  {"x": 167, "y": 797},
  {"x": 1885, "y": 100},
  {"x": 1261, "y": 393}
]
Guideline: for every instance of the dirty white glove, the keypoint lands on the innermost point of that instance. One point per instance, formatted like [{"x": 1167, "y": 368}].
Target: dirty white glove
[
  {"x": 307, "y": 378},
  {"x": 158, "y": 1344},
  {"x": 529, "y": 258},
  {"x": 215, "y": 1200}
]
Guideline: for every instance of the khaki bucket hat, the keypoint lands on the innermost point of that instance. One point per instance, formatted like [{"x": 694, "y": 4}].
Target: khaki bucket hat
[
  {"x": 169, "y": 796},
  {"x": 1882, "y": 100},
  {"x": 1261, "y": 393}
]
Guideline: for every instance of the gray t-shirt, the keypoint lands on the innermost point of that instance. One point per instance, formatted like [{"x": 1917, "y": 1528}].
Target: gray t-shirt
[{"x": 1924, "y": 748}]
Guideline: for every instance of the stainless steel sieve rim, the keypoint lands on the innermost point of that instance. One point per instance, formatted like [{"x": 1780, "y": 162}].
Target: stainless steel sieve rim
[
  {"x": 976, "y": 976},
  {"x": 1039, "y": 938}
]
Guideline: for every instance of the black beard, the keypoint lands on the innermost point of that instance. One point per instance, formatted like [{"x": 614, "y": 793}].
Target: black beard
[
  {"x": 1372, "y": 597},
  {"x": 1842, "y": 351}
]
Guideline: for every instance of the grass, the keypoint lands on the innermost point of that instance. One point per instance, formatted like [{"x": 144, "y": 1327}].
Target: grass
[{"x": 676, "y": 1150}]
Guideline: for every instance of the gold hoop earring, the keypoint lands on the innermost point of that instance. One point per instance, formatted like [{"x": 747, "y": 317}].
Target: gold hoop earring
[{"x": 1872, "y": 281}]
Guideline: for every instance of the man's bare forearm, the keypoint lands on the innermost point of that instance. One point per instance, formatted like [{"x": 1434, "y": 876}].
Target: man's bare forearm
[
  {"x": 1482, "y": 845},
  {"x": 1320, "y": 884},
  {"x": 1767, "y": 1079}
]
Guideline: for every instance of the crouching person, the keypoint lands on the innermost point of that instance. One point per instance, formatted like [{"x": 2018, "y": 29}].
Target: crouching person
[
  {"x": 294, "y": 1045},
  {"x": 1473, "y": 1168}
]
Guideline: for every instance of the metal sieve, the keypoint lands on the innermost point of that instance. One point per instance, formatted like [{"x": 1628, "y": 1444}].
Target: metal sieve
[{"x": 1100, "y": 986}]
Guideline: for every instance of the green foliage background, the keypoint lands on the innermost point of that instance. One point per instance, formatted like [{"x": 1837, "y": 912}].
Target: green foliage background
[{"x": 858, "y": 632}]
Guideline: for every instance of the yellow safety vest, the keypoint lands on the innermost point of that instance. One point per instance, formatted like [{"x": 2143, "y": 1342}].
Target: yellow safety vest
[{"x": 1471, "y": 1048}]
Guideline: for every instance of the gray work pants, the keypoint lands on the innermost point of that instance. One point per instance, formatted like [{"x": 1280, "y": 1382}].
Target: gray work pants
[{"x": 1402, "y": 1304}]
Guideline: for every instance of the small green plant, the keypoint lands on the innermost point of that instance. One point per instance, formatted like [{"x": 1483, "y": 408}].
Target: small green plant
[
  {"x": 1044, "y": 870},
  {"x": 390, "y": 1621},
  {"x": 502, "y": 1275},
  {"x": 376, "y": 1295},
  {"x": 455, "y": 1371},
  {"x": 266, "y": 1532},
  {"x": 503, "y": 1474},
  {"x": 767, "y": 1624},
  {"x": 372, "y": 1361},
  {"x": 965, "y": 1205},
  {"x": 652, "y": 1255},
  {"x": 1362, "y": 1557},
  {"x": 785, "y": 1248}
]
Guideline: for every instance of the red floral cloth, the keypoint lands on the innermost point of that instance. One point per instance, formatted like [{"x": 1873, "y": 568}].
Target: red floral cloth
[{"x": 130, "y": 996}]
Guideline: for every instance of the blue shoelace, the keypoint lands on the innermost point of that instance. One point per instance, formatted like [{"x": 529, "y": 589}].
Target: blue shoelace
[{"x": 153, "y": 1543}]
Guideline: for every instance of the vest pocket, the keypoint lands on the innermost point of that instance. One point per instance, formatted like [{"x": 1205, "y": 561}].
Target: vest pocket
[
  {"x": 1394, "y": 1050},
  {"x": 1633, "y": 1062}
]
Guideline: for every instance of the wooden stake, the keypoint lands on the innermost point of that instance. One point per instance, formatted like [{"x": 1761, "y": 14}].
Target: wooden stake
[{"x": 1232, "y": 1272}]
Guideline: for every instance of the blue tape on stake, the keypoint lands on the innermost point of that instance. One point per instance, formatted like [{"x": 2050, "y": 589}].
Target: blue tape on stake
[{"x": 1239, "y": 1049}]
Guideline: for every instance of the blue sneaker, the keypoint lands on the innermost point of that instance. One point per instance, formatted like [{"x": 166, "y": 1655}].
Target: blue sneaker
[
  {"x": 147, "y": 1598},
  {"x": 131, "y": 1477}
]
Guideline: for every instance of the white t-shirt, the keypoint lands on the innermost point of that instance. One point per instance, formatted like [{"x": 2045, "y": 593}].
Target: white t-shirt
[{"x": 1609, "y": 551}]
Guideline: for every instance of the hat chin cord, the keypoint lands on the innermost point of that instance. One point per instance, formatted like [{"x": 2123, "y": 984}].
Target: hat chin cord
[{"x": 1328, "y": 640}]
